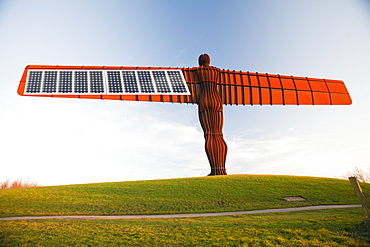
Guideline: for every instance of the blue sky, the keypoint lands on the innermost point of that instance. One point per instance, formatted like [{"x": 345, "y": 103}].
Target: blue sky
[{"x": 66, "y": 141}]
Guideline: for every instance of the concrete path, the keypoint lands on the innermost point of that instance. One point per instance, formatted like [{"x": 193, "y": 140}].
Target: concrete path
[{"x": 117, "y": 217}]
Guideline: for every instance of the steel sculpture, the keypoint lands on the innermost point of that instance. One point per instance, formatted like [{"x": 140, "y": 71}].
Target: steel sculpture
[{"x": 208, "y": 86}]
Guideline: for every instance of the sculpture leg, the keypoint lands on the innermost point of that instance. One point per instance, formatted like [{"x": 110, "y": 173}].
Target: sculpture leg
[{"x": 216, "y": 148}]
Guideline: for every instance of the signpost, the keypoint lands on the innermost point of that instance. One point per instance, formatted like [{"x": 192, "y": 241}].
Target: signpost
[
  {"x": 362, "y": 196},
  {"x": 207, "y": 86}
]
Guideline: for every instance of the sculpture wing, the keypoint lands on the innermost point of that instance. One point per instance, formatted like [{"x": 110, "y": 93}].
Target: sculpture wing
[
  {"x": 246, "y": 88},
  {"x": 235, "y": 87},
  {"x": 108, "y": 82}
]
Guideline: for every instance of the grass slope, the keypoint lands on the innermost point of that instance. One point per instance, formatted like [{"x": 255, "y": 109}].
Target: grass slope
[
  {"x": 335, "y": 227},
  {"x": 189, "y": 195}
]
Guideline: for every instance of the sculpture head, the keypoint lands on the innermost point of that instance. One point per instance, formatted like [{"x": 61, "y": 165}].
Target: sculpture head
[{"x": 204, "y": 60}]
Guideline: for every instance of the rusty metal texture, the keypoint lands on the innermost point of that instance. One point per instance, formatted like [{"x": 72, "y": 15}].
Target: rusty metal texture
[
  {"x": 247, "y": 88},
  {"x": 211, "y": 118}
]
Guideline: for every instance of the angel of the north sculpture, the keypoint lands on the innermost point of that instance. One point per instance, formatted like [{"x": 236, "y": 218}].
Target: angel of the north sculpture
[{"x": 205, "y": 85}]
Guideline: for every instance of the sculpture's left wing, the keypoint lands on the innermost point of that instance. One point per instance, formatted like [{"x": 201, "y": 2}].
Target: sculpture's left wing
[
  {"x": 156, "y": 84},
  {"x": 247, "y": 88}
]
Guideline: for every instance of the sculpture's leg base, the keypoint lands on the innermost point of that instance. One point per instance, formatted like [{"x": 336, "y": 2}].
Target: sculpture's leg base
[
  {"x": 215, "y": 146},
  {"x": 216, "y": 172},
  {"x": 216, "y": 150}
]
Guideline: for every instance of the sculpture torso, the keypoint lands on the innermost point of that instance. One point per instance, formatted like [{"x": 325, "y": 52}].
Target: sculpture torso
[{"x": 209, "y": 98}]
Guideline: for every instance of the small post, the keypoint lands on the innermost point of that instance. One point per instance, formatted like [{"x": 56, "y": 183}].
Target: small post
[{"x": 361, "y": 195}]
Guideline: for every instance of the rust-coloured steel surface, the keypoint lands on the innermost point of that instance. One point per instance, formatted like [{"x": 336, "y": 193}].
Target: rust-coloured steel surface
[
  {"x": 210, "y": 108},
  {"x": 211, "y": 88}
]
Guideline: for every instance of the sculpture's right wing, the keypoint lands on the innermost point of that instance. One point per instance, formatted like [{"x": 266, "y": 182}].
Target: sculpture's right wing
[{"x": 246, "y": 88}]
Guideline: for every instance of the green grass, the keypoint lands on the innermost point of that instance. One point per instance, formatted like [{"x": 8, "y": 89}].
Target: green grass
[
  {"x": 335, "y": 227},
  {"x": 190, "y": 195}
]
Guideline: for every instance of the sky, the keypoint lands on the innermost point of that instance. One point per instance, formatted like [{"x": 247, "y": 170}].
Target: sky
[{"x": 73, "y": 141}]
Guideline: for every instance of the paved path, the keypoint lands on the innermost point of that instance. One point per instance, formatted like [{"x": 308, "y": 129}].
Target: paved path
[{"x": 116, "y": 217}]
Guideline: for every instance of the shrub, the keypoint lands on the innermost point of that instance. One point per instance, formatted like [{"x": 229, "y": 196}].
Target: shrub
[
  {"x": 19, "y": 183},
  {"x": 361, "y": 175}
]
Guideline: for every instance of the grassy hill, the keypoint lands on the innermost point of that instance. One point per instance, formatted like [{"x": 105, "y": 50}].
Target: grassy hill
[
  {"x": 334, "y": 227},
  {"x": 188, "y": 195}
]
